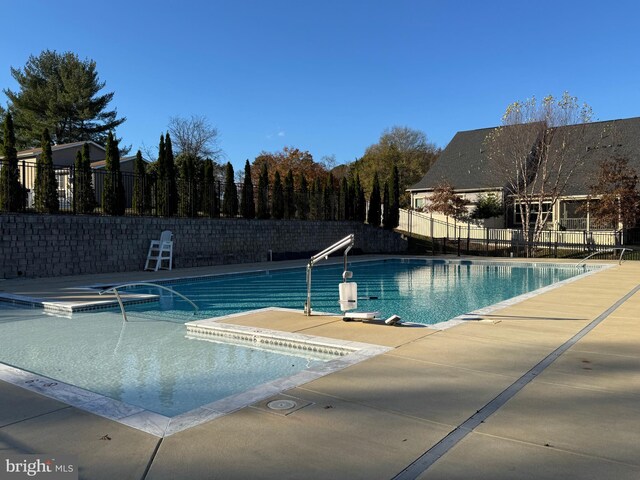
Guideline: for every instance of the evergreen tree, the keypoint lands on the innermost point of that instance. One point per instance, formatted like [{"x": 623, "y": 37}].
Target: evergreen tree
[
  {"x": 78, "y": 185},
  {"x": 84, "y": 194},
  {"x": 386, "y": 208},
  {"x": 277, "y": 201},
  {"x": 302, "y": 199},
  {"x": 316, "y": 210},
  {"x": 188, "y": 191},
  {"x": 11, "y": 192},
  {"x": 46, "y": 184},
  {"x": 263, "y": 193},
  {"x": 374, "y": 214},
  {"x": 172, "y": 184},
  {"x": 60, "y": 92},
  {"x": 247, "y": 205},
  {"x": 395, "y": 198},
  {"x": 230, "y": 198},
  {"x": 345, "y": 201},
  {"x": 210, "y": 201},
  {"x": 140, "y": 188},
  {"x": 327, "y": 199},
  {"x": 289, "y": 196},
  {"x": 162, "y": 191},
  {"x": 113, "y": 195},
  {"x": 361, "y": 203}
]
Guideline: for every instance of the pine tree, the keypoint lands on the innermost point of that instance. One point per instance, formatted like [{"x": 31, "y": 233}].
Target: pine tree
[
  {"x": 230, "y": 198},
  {"x": 11, "y": 192},
  {"x": 46, "y": 184},
  {"x": 172, "y": 184},
  {"x": 210, "y": 203},
  {"x": 373, "y": 216},
  {"x": 277, "y": 201},
  {"x": 248, "y": 207},
  {"x": 113, "y": 195},
  {"x": 87, "y": 198},
  {"x": 386, "y": 209},
  {"x": 263, "y": 193},
  {"x": 395, "y": 198},
  {"x": 140, "y": 187},
  {"x": 302, "y": 199},
  {"x": 289, "y": 196}
]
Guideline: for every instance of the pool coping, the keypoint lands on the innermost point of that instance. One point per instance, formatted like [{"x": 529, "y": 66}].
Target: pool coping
[{"x": 347, "y": 353}]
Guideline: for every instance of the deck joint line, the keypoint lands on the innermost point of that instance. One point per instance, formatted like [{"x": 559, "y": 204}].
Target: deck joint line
[{"x": 431, "y": 456}]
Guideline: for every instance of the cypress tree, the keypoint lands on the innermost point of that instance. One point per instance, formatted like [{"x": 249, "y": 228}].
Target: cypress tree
[
  {"x": 373, "y": 216},
  {"x": 230, "y": 198},
  {"x": 113, "y": 195},
  {"x": 277, "y": 201},
  {"x": 386, "y": 210},
  {"x": 187, "y": 198},
  {"x": 139, "y": 185},
  {"x": 289, "y": 196},
  {"x": 210, "y": 204},
  {"x": 46, "y": 184},
  {"x": 360, "y": 204},
  {"x": 172, "y": 184},
  {"x": 343, "y": 211},
  {"x": 327, "y": 199},
  {"x": 263, "y": 193},
  {"x": 162, "y": 198},
  {"x": 302, "y": 199},
  {"x": 316, "y": 200},
  {"x": 88, "y": 200},
  {"x": 78, "y": 184},
  {"x": 248, "y": 206},
  {"x": 11, "y": 192},
  {"x": 395, "y": 198}
]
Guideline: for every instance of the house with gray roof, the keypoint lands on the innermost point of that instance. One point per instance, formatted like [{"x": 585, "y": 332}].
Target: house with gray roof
[{"x": 466, "y": 165}]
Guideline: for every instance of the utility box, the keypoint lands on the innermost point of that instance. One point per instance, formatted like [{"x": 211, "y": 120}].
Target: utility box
[{"x": 348, "y": 296}]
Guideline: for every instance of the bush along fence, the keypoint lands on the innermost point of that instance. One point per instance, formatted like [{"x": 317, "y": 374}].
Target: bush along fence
[
  {"x": 435, "y": 237},
  {"x": 96, "y": 191}
]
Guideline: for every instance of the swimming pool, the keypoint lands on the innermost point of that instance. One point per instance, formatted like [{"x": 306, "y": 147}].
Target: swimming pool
[
  {"x": 155, "y": 375},
  {"x": 420, "y": 291}
]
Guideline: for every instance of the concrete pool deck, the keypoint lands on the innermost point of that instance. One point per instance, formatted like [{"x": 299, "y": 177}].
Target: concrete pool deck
[{"x": 579, "y": 418}]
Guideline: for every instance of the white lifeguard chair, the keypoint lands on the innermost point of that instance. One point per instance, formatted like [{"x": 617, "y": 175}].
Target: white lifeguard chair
[{"x": 160, "y": 251}]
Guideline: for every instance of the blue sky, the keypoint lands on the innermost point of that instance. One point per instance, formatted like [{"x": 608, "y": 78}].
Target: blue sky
[{"x": 329, "y": 76}]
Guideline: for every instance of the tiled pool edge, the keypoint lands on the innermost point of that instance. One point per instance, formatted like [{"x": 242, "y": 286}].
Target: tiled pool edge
[{"x": 159, "y": 425}]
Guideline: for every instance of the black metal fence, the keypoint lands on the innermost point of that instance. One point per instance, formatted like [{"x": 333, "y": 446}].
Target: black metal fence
[{"x": 147, "y": 195}]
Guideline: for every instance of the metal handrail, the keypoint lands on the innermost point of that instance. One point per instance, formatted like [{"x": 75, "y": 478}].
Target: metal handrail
[
  {"x": 624, "y": 249},
  {"x": 347, "y": 242},
  {"x": 143, "y": 284}
]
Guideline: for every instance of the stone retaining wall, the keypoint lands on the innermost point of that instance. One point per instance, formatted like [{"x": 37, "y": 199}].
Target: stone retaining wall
[{"x": 53, "y": 245}]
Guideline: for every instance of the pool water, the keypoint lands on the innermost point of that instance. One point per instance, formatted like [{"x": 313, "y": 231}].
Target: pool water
[
  {"x": 426, "y": 292},
  {"x": 150, "y": 364}
]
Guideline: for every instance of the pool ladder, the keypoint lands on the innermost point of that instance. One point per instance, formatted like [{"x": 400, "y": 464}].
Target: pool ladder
[
  {"x": 143, "y": 284},
  {"x": 346, "y": 243}
]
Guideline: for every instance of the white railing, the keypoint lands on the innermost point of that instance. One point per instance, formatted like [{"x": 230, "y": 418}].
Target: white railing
[{"x": 434, "y": 226}]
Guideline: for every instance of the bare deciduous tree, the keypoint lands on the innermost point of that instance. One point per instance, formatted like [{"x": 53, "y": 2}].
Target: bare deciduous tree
[
  {"x": 535, "y": 153},
  {"x": 195, "y": 137}
]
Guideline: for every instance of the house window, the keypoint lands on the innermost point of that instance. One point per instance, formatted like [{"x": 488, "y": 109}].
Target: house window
[
  {"x": 419, "y": 203},
  {"x": 533, "y": 215}
]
